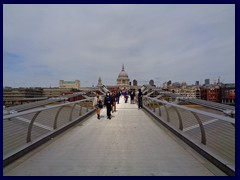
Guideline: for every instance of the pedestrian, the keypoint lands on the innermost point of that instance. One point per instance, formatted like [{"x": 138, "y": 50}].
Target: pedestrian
[
  {"x": 132, "y": 94},
  {"x": 114, "y": 101},
  {"x": 126, "y": 96},
  {"x": 117, "y": 96},
  {"x": 108, "y": 103},
  {"x": 98, "y": 104},
  {"x": 122, "y": 94},
  {"x": 140, "y": 95}
]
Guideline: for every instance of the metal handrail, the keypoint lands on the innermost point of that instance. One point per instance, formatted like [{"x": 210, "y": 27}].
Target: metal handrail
[
  {"x": 41, "y": 109},
  {"x": 217, "y": 145},
  {"x": 216, "y": 116},
  {"x": 37, "y": 111}
]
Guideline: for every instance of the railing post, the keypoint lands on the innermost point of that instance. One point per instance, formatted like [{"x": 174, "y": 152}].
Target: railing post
[
  {"x": 87, "y": 106},
  {"x": 179, "y": 118},
  {"x": 80, "y": 111},
  {"x": 159, "y": 110},
  {"x": 154, "y": 107},
  {"x": 29, "y": 133},
  {"x": 143, "y": 101},
  {"x": 203, "y": 138},
  {"x": 150, "y": 105},
  {"x": 146, "y": 102},
  {"x": 56, "y": 117},
  {"x": 168, "y": 119},
  {"x": 70, "y": 116}
]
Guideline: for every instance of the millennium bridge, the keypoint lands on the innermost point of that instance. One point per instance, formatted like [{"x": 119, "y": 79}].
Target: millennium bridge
[{"x": 171, "y": 135}]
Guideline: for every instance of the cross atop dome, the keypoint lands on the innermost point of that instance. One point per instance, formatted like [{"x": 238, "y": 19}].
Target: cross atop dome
[{"x": 123, "y": 67}]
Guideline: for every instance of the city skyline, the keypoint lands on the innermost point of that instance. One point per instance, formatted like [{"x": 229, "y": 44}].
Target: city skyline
[{"x": 43, "y": 44}]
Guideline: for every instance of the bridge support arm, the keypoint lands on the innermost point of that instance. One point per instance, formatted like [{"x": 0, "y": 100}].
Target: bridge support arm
[
  {"x": 29, "y": 133},
  {"x": 203, "y": 138}
]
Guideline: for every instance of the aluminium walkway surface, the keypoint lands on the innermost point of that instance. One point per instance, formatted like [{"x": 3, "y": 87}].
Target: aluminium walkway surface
[{"x": 130, "y": 144}]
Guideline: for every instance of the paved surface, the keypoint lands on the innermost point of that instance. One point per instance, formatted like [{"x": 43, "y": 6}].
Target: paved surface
[{"x": 130, "y": 144}]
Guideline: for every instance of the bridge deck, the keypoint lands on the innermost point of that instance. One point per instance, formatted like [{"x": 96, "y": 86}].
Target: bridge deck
[{"x": 130, "y": 144}]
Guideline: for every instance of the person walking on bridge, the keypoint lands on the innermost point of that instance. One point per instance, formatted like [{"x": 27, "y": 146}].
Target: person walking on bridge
[
  {"x": 132, "y": 95},
  {"x": 126, "y": 96},
  {"x": 140, "y": 95},
  {"x": 108, "y": 102},
  {"x": 118, "y": 95},
  {"x": 98, "y": 104},
  {"x": 113, "y": 96}
]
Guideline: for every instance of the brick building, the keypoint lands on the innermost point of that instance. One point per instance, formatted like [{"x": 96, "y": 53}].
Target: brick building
[
  {"x": 228, "y": 94},
  {"x": 211, "y": 93}
]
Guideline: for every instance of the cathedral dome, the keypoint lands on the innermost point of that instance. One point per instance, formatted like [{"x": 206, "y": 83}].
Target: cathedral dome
[
  {"x": 123, "y": 80},
  {"x": 123, "y": 74}
]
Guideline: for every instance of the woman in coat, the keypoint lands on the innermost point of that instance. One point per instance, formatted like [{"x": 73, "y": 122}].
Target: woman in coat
[{"x": 98, "y": 104}]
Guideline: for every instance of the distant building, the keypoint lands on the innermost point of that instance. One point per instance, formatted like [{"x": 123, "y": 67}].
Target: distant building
[
  {"x": 176, "y": 84},
  {"x": 135, "y": 82},
  {"x": 184, "y": 84},
  {"x": 123, "y": 80},
  {"x": 211, "y": 93},
  {"x": 198, "y": 93},
  {"x": 197, "y": 83},
  {"x": 207, "y": 82},
  {"x": 188, "y": 91},
  {"x": 56, "y": 92},
  {"x": 69, "y": 84},
  {"x": 169, "y": 83},
  {"x": 164, "y": 85},
  {"x": 170, "y": 88},
  {"x": 151, "y": 82},
  {"x": 99, "y": 82},
  {"x": 112, "y": 87},
  {"x": 228, "y": 94},
  {"x": 17, "y": 96}
]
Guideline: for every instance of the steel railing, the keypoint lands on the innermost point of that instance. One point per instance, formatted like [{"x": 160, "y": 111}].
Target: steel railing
[
  {"x": 212, "y": 132},
  {"x": 21, "y": 129}
]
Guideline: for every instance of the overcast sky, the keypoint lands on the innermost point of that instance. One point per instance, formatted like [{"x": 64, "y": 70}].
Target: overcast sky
[{"x": 43, "y": 44}]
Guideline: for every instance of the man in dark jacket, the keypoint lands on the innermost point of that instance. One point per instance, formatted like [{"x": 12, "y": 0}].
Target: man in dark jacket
[
  {"x": 118, "y": 96},
  {"x": 108, "y": 102},
  {"x": 132, "y": 95},
  {"x": 140, "y": 95}
]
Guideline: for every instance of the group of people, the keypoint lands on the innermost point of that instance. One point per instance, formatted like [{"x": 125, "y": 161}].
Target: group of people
[
  {"x": 126, "y": 94},
  {"x": 112, "y": 98}
]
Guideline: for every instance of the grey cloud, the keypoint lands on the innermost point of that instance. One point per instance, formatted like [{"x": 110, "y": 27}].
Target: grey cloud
[{"x": 87, "y": 41}]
